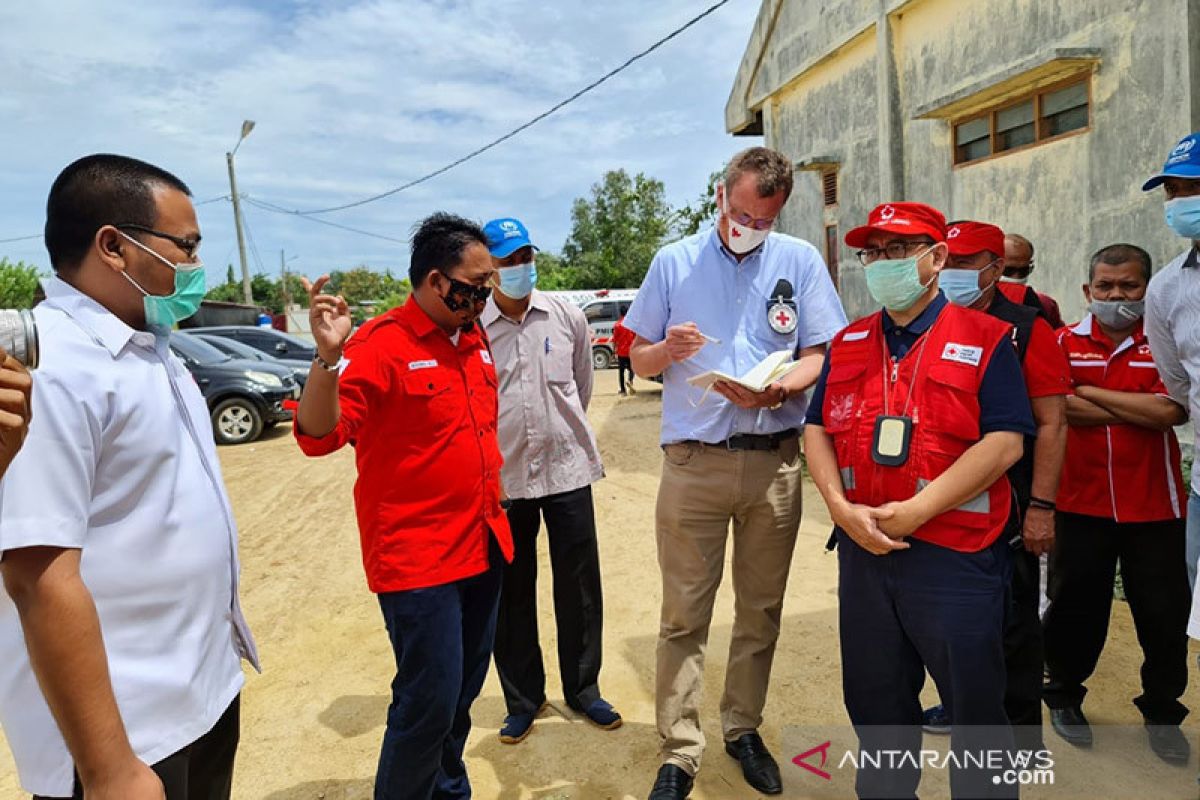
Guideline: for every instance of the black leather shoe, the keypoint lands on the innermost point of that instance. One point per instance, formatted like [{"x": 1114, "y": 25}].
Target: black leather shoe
[
  {"x": 758, "y": 767},
  {"x": 1169, "y": 743},
  {"x": 1072, "y": 725},
  {"x": 672, "y": 783}
]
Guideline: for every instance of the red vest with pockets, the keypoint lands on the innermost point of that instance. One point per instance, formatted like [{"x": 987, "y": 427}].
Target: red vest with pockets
[{"x": 944, "y": 409}]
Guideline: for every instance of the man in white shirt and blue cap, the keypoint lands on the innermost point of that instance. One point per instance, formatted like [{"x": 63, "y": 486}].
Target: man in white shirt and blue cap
[{"x": 1172, "y": 319}]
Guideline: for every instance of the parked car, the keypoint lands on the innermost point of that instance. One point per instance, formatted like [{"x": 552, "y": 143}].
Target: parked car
[
  {"x": 602, "y": 315},
  {"x": 244, "y": 397},
  {"x": 267, "y": 340},
  {"x": 235, "y": 349}
]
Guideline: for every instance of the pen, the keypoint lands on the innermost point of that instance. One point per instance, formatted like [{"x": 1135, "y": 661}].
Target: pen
[{"x": 710, "y": 339}]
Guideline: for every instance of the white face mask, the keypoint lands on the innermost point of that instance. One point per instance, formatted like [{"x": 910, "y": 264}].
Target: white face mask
[{"x": 742, "y": 238}]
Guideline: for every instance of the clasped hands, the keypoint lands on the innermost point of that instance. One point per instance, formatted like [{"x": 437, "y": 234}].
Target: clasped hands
[{"x": 879, "y": 529}]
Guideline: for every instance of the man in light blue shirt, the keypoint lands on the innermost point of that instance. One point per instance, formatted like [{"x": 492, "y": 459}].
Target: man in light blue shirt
[{"x": 723, "y": 300}]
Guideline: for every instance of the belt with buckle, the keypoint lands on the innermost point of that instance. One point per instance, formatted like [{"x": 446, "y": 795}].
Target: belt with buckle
[{"x": 753, "y": 441}]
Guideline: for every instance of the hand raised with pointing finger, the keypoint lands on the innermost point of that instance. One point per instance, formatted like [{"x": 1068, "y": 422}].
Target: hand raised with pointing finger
[{"x": 330, "y": 319}]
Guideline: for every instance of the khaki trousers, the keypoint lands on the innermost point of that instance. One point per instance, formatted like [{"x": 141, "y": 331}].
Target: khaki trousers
[{"x": 703, "y": 489}]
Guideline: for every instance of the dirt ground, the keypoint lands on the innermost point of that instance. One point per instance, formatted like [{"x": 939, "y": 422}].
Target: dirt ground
[{"x": 313, "y": 720}]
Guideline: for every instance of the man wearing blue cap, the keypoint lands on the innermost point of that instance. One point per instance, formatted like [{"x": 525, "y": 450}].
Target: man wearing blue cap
[
  {"x": 1173, "y": 310},
  {"x": 543, "y": 354}
]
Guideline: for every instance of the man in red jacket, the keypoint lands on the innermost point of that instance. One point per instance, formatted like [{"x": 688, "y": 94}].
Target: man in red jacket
[
  {"x": 919, "y": 411},
  {"x": 622, "y": 342},
  {"x": 415, "y": 392},
  {"x": 1121, "y": 499}
]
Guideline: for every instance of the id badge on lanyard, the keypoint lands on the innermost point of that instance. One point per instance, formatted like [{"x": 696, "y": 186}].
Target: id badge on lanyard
[{"x": 892, "y": 440}]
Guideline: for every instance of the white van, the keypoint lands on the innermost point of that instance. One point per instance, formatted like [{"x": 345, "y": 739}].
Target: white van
[{"x": 602, "y": 307}]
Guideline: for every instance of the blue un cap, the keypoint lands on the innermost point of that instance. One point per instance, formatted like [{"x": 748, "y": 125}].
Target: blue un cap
[
  {"x": 506, "y": 236},
  {"x": 1183, "y": 162}
]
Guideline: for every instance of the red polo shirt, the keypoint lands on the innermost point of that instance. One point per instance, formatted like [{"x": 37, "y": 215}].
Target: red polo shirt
[
  {"x": 1124, "y": 472},
  {"x": 421, "y": 414}
]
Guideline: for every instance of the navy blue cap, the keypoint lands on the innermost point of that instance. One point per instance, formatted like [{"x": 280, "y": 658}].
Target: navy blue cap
[
  {"x": 506, "y": 236},
  {"x": 1183, "y": 162}
]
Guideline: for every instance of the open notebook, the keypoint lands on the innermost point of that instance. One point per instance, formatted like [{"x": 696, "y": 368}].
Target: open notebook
[{"x": 760, "y": 376}]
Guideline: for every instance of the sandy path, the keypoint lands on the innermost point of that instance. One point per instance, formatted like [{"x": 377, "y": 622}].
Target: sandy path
[{"x": 312, "y": 722}]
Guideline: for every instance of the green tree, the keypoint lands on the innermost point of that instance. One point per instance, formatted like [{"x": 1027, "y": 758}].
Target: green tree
[
  {"x": 703, "y": 210},
  {"x": 18, "y": 284},
  {"x": 554, "y": 274},
  {"x": 616, "y": 232}
]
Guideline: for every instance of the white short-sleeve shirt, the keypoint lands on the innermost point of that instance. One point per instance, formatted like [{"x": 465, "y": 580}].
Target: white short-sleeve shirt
[{"x": 120, "y": 463}]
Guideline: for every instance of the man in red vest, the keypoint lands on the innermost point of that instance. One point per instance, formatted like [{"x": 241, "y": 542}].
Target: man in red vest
[
  {"x": 1122, "y": 499},
  {"x": 919, "y": 411},
  {"x": 970, "y": 280}
]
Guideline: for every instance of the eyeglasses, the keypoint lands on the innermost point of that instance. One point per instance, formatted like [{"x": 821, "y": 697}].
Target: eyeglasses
[
  {"x": 893, "y": 250},
  {"x": 188, "y": 246},
  {"x": 752, "y": 222},
  {"x": 1018, "y": 270}
]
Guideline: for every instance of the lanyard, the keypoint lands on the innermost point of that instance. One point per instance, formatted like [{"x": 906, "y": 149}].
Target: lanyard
[{"x": 895, "y": 364}]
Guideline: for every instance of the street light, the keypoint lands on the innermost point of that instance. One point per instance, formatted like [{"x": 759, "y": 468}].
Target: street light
[{"x": 247, "y": 126}]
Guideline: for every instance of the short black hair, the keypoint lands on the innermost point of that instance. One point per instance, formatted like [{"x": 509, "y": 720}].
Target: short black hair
[
  {"x": 95, "y": 191},
  {"x": 438, "y": 242},
  {"x": 1122, "y": 253}
]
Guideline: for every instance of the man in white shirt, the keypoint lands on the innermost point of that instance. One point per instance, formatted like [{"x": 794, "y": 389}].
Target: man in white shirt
[
  {"x": 123, "y": 636},
  {"x": 1173, "y": 307}
]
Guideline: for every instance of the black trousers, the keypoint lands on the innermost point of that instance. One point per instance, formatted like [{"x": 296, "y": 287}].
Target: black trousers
[
  {"x": 1154, "y": 572},
  {"x": 624, "y": 364},
  {"x": 204, "y": 769},
  {"x": 578, "y": 604},
  {"x": 1023, "y": 656}
]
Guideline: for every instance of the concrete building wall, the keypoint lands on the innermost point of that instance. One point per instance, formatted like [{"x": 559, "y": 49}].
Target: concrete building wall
[{"x": 819, "y": 69}]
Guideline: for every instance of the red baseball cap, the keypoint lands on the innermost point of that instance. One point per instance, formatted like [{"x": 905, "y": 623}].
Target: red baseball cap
[
  {"x": 968, "y": 238},
  {"x": 906, "y": 219}
]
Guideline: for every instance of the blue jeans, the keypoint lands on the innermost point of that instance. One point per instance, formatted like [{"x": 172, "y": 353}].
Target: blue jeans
[
  {"x": 442, "y": 638},
  {"x": 1193, "y": 537}
]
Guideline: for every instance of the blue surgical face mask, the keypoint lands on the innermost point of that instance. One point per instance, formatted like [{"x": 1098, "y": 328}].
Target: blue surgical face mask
[
  {"x": 1183, "y": 216},
  {"x": 517, "y": 282},
  {"x": 165, "y": 311},
  {"x": 896, "y": 283},
  {"x": 961, "y": 286}
]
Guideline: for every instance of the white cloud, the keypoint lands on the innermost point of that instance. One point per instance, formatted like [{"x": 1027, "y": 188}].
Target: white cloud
[{"x": 355, "y": 97}]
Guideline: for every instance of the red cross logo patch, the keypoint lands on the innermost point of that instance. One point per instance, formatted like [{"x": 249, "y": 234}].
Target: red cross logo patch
[{"x": 782, "y": 318}]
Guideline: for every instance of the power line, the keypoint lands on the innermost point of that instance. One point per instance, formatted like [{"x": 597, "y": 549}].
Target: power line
[
  {"x": 253, "y": 245},
  {"x": 274, "y": 209},
  {"x": 481, "y": 150},
  {"x": 39, "y": 236}
]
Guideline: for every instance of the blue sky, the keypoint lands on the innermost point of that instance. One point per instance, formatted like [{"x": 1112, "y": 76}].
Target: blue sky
[{"x": 352, "y": 98}]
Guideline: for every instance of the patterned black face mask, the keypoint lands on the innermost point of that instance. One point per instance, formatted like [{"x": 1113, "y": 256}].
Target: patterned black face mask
[{"x": 464, "y": 296}]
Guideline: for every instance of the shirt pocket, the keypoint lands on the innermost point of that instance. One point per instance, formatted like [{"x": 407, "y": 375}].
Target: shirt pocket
[
  {"x": 560, "y": 367},
  {"x": 434, "y": 400}
]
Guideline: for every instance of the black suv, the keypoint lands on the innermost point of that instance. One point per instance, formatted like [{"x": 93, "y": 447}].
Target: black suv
[
  {"x": 235, "y": 349},
  {"x": 243, "y": 397},
  {"x": 268, "y": 340}
]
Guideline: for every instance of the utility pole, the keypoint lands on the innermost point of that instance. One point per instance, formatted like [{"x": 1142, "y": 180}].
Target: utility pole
[
  {"x": 287, "y": 294},
  {"x": 247, "y": 126}
]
